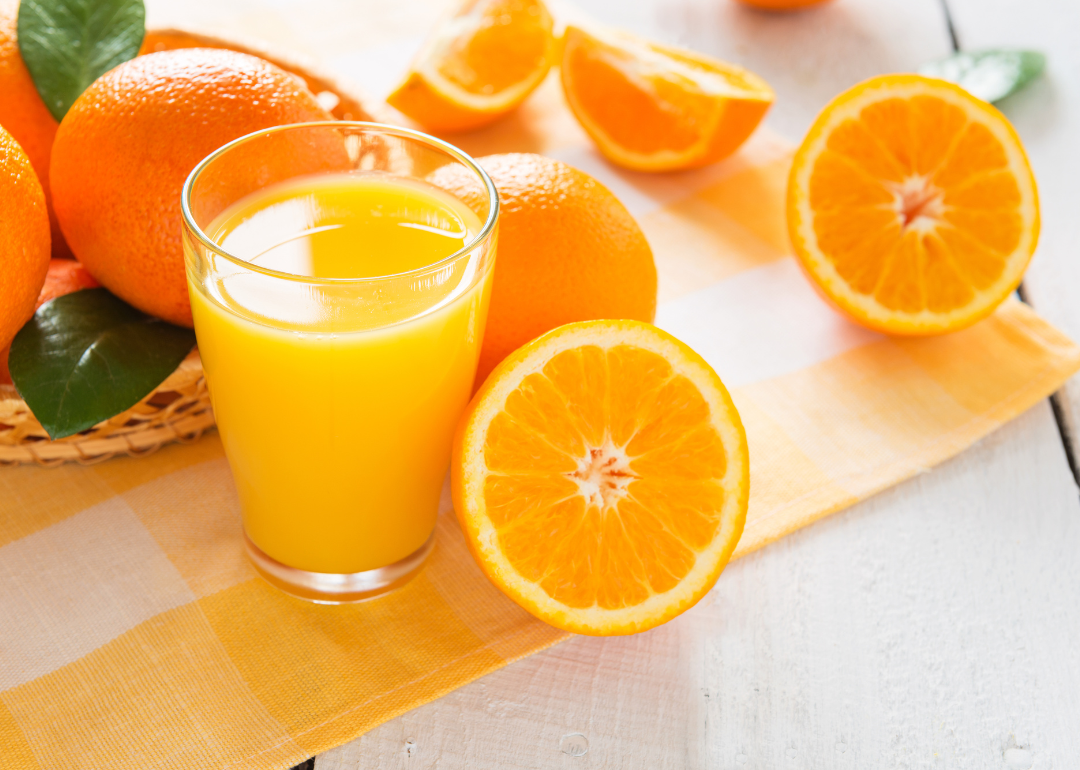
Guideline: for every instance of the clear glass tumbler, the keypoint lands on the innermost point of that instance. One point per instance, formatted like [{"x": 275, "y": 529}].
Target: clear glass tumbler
[{"x": 336, "y": 397}]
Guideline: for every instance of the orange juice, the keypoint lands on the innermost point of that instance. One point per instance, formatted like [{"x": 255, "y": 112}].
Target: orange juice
[{"x": 336, "y": 404}]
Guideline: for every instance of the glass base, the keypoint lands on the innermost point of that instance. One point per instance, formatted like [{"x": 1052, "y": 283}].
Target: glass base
[{"x": 332, "y": 588}]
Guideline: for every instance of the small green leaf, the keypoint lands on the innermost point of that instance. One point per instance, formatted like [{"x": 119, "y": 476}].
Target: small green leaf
[
  {"x": 68, "y": 44},
  {"x": 88, "y": 356},
  {"x": 989, "y": 75}
]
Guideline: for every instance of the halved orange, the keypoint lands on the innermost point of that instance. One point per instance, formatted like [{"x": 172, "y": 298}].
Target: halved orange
[
  {"x": 650, "y": 107},
  {"x": 912, "y": 206},
  {"x": 601, "y": 476},
  {"x": 480, "y": 64}
]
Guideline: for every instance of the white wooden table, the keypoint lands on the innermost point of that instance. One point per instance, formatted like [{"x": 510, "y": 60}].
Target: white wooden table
[{"x": 936, "y": 625}]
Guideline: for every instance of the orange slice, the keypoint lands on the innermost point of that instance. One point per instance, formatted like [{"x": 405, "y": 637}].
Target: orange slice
[
  {"x": 601, "y": 477},
  {"x": 912, "y": 206},
  {"x": 650, "y": 107},
  {"x": 480, "y": 64}
]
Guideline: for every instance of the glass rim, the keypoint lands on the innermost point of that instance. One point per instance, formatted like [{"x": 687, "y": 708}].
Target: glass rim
[{"x": 455, "y": 153}]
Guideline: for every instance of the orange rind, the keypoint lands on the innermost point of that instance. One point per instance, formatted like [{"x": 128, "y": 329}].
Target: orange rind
[
  {"x": 651, "y": 107},
  {"x": 912, "y": 206},
  {"x": 479, "y": 65}
]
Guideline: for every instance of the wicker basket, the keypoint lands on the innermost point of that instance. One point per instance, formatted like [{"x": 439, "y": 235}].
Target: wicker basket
[{"x": 179, "y": 409}]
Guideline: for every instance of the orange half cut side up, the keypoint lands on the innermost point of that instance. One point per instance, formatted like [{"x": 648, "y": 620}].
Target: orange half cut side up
[{"x": 601, "y": 477}]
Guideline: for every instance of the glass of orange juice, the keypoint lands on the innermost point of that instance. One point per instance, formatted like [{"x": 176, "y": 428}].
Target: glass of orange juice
[{"x": 339, "y": 297}]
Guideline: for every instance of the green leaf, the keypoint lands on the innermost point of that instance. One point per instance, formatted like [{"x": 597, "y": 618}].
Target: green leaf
[
  {"x": 88, "y": 356},
  {"x": 68, "y": 44},
  {"x": 989, "y": 75}
]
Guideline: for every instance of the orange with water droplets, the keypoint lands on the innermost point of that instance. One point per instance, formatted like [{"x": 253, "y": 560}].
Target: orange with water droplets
[
  {"x": 912, "y": 206},
  {"x": 601, "y": 477}
]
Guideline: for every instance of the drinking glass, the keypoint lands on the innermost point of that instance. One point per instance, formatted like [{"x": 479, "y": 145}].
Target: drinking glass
[{"x": 336, "y": 398}]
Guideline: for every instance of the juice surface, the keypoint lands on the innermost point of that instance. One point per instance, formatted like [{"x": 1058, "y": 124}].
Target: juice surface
[{"x": 336, "y": 403}]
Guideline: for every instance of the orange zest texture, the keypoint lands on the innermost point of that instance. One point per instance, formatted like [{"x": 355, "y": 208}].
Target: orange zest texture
[
  {"x": 651, "y": 107},
  {"x": 479, "y": 65},
  {"x": 912, "y": 206},
  {"x": 601, "y": 477}
]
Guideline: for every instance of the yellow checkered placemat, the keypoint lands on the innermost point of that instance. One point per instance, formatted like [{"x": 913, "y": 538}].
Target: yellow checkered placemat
[{"x": 134, "y": 633}]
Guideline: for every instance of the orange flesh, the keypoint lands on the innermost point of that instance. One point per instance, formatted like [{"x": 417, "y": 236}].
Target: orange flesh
[
  {"x": 610, "y": 459},
  {"x": 914, "y": 204},
  {"x": 488, "y": 60},
  {"x": 663, "y": 116}
]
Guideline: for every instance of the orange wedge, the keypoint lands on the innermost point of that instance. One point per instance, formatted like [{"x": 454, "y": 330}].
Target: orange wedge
[
  {"x": 601, "y": 476},
  {"x": 480, "y": 64},
  {"x": 650, "y": 107},
  {"x": 912, "y": 206}
]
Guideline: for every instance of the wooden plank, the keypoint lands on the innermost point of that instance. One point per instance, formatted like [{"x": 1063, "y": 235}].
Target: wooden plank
[
  {"x": 1047, "y": 116},
  {"x": 933, "y": 624}
]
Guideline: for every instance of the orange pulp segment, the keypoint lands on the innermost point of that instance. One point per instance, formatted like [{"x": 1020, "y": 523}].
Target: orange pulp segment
[
  {"x": 479, "y": 65},
  {"x": 601, "y": 477},
  {"x": 912, "y": 206},
  {"x": 651, "y": 107}
]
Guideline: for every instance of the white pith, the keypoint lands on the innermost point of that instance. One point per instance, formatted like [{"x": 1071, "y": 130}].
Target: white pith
[
  {"x": 865, "y": 305},
  {"x": 591, "y": 479}
]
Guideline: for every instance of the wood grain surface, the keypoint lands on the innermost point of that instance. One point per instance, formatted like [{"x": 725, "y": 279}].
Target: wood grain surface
[{"x": 935, "y": 625}]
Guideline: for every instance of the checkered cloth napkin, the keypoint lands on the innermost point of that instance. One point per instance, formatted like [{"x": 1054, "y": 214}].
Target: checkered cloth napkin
[{"x": 134, "y": 634}]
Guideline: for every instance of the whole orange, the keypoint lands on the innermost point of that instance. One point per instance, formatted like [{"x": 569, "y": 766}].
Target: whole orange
[
  {"x": 24, "y": 114},
  {"x": 128, "y": 143},
  {"x": 24, "y": 238},
  {"x": 568, "y": 251}
]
